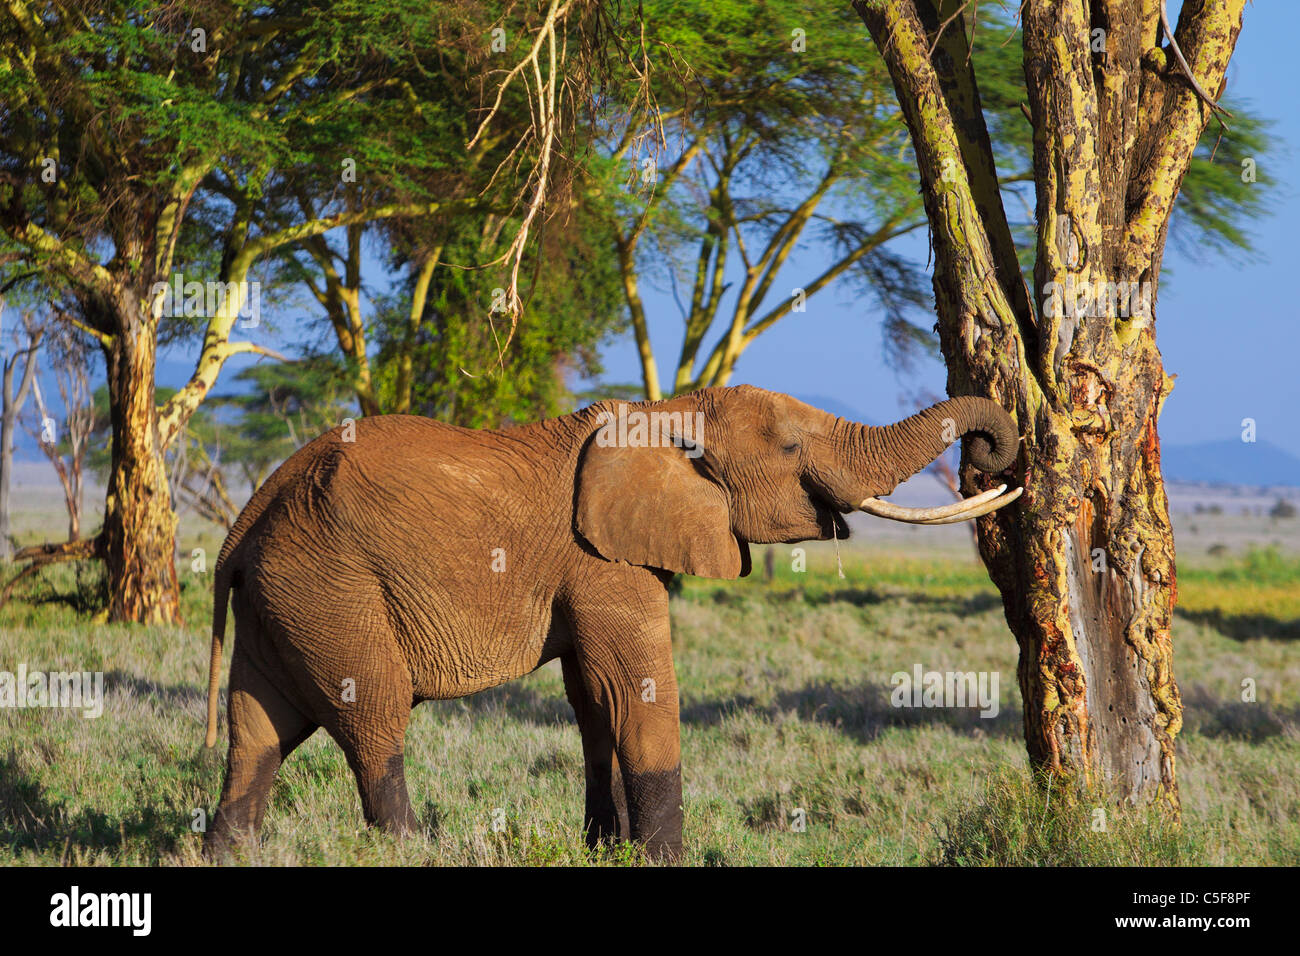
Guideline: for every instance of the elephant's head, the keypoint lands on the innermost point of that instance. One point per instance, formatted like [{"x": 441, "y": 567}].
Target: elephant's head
[{"x": 653, "y": 490}]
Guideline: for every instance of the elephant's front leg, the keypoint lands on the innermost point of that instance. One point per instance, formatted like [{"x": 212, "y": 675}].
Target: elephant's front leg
[
  {"x": 649, "y": 753},
  {"x": 626, "y": 664}
]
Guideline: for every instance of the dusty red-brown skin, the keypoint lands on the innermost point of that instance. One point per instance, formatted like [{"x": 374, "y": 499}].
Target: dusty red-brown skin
[{"x": 422, "y": 561}]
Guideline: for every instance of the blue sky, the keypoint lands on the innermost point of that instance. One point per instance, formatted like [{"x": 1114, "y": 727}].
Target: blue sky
[{"x": 1228, "y": 331}]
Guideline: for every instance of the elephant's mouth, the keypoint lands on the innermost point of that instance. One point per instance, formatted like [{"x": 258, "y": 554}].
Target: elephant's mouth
[{"x": 829, "y": 519}]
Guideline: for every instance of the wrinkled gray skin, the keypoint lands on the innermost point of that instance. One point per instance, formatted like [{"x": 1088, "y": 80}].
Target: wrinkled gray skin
[{"x": 422, "y": 561}]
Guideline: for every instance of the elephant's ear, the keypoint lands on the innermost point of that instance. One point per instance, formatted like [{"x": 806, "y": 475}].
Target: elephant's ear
[{"x": 654, "y": 506}]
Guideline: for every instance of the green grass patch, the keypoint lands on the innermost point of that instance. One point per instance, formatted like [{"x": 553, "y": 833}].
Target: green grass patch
[{"x": 792, "y": 751}]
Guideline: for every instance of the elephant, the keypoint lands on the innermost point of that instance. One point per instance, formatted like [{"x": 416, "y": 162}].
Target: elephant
[{"x": 397, "y": 559}]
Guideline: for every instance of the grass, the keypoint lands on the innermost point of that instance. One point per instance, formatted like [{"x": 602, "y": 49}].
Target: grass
[{"x": 786, "y": 717}]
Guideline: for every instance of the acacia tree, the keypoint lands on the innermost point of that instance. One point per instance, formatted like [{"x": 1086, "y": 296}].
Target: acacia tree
[
  {"x": 120, "y": 120},
  {"x": 447, "y": 343},
  {"x": 776, "y": 133},
  {"x": 1085, "y": 561}
]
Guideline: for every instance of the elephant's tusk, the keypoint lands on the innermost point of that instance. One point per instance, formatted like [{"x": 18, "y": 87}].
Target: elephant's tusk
[
  {"x": 981, "y": 509},
  {"x": 963, "y": 510},
  {"x": 883, "y": 509}
]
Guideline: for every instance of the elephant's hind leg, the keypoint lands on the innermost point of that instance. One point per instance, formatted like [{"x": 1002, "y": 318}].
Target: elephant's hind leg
[
  {"x": 265, "y": 727},
  {"x": 381, "y": 780},
  {"x": 370, "y": 726}
]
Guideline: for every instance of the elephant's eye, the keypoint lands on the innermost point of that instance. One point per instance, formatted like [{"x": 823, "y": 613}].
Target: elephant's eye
[{"x": 790, "y": 447}]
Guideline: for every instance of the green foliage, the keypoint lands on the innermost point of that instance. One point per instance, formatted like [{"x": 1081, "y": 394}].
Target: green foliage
[
  {"x": 461, "y": 373},
  {"x": 414, "y": 124}
]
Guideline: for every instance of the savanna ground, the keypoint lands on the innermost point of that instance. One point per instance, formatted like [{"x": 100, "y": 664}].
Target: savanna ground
[{"x": 786, "y": 706}]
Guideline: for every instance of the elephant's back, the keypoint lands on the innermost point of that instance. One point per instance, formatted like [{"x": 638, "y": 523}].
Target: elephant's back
[
  {"x": 357, "y": 487},
  {"x": 320, "y": 471}
]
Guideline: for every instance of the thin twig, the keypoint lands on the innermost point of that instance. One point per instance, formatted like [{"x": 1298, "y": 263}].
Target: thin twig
[{"x": 545, "y": 125}]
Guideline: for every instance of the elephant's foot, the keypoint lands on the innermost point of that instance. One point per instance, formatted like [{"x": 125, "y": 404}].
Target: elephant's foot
[
  {"x": 655, "y": 812},
  {"x": 664, "y": 851},
  {"x": 225, "y": 842},
  {"x": 385, "y": 800},
  {"x": 399, "y": 824}
]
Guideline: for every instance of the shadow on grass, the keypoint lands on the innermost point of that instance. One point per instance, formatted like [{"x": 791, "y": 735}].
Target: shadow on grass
[
  {"x": 80, "y": 586},
  {"x": 516, "y": 700},
  {"x": 31, "y": 820},
  {"x": 170, "y": 694},
  {"x": 1211, "y": 716},
  {"x": 863, "y": 712},
  {"x": 977, "y": 603},
  {"x": 1244, "y": 627}
]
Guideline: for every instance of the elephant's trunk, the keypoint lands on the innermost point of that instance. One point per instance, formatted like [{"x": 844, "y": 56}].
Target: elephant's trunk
[
  {"x": 898, "y": 451},
  {"x": 904, "y": 448}
]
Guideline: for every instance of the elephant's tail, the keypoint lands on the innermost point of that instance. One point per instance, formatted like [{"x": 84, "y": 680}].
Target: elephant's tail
[
  {"x": 221, "y": 598},
  {"x": 226, "y": 573}
]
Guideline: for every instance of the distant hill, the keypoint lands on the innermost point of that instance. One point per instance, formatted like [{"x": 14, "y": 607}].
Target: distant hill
[{"x": 1231, "y": 462}]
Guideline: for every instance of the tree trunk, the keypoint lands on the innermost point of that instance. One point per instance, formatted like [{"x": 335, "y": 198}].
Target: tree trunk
[
  {"x": 6, "y": 466},
  {"x": 138, "y": 540},
  {"x": 7, "y": 421},
  {"x": 11, "y": 403},
  {"x": 1088, "y": 580},
  {"x": 1085, "y": 561}
]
